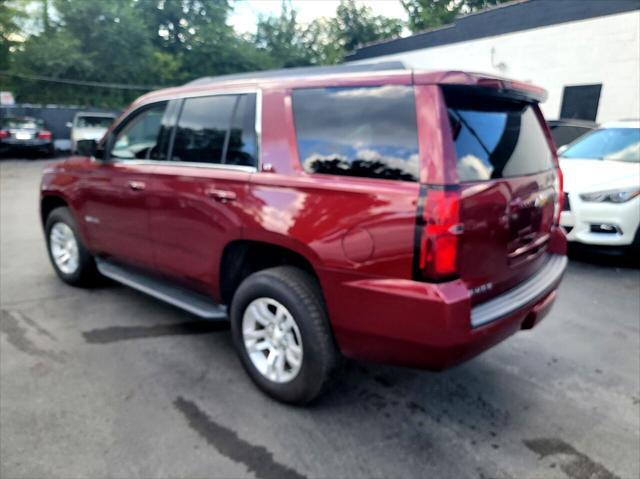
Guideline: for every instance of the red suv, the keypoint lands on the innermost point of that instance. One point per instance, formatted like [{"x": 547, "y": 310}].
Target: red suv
[{"x": 386, "y": 215}]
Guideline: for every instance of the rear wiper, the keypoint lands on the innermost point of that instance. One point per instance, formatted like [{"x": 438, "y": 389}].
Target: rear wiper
[{"x": 461, "y": 119}]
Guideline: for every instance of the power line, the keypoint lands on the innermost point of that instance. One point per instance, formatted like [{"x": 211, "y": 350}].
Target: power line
[{"x": 114, "y": 86}]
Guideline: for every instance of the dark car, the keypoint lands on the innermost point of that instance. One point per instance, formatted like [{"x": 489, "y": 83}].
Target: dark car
[
  {"x": 398, "y": 216},
  {"x": 25, "y": 133},
  {"x": 565, "y": 131}
]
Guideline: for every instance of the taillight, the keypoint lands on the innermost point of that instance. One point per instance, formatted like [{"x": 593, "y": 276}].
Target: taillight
[
  {"x": 438, "y": 228},
  {"x": 4, "y": 134},
  {"x": 45, "y": 135},
  {"x": 558, "y": 186}
]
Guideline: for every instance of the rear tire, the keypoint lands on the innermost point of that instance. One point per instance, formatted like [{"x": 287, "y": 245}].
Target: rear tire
[
  {"x": 70, "y": 259},
  {"x": 308, "y": 357}
]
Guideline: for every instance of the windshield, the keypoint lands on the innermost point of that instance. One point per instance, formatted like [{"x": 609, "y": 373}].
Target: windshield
[
  {"x": 30, "y": 123},
  {"x": 619, "y": 144},
  {"x": 94, "y": 121}
]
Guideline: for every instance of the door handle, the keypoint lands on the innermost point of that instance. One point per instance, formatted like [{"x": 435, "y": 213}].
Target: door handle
[
  {"x": 220, "y": 195},
  {"x": 137, "y": 185}
]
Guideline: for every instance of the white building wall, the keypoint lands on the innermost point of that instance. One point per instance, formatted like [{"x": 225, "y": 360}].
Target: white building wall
[{"x": 602, "y": 50}]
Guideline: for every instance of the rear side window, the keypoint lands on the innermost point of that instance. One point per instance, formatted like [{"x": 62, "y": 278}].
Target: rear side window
[
  {"x": 496, "y": 138},
  {"x": 362, "y": 131},
  {"x": 216, "y": 129}
]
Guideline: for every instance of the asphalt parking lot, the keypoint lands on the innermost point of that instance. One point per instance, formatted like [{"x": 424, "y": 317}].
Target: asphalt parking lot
[{"x": 110, "y": 383}]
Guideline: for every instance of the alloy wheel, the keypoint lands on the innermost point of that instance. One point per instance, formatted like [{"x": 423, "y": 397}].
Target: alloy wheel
[
  {"x": 64, "y": 248},
  {"x": 272, "y": 340}
]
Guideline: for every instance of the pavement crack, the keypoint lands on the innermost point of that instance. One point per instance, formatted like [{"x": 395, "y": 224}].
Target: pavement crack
[
  {"x": 579, "y": 467},
  {"x": 256, "y": 458},
  {"x": 123, "y": 333},
  {"x": 10, "y": 325}
]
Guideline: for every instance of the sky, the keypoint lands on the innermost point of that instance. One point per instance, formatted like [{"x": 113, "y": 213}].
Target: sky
[{"x": 246, "y": 12}]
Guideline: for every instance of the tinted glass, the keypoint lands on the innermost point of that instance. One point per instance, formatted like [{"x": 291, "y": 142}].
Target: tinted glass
[
  {"x": 621, "y": 144},
  {"x": 94, "y": 121},
  {"x": 364, "y": 131},
  {"x": 202, "y": 129},
  {"x": 497, "y": 139},
  {"x": 563, "y": 135},
  {"x": 241, "y": 149},
  {"x": 143, "y": 136}
]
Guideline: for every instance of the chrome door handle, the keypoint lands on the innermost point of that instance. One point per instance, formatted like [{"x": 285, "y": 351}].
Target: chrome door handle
[
  {"x": 137, "y": 185},
  {"x": 220, "y": 195}
]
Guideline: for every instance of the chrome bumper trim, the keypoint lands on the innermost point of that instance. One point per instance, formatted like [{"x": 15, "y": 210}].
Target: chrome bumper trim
[{"x": 523, "y": 294}]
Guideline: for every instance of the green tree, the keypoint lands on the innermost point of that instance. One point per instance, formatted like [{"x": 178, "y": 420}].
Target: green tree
[
  {"x": 425, "y": 14},
  {"x": 357, "y": 25},
  {"x": 321, "y": 38},
  {"x": 91, "y": 41},
  {"x": 174, "y": 25},
  {"x": 327, "y": 40},
  {"x": 11, "y": 12},
  {"x": 161, "y": 42},
  {"x": 283, "y": 38}
]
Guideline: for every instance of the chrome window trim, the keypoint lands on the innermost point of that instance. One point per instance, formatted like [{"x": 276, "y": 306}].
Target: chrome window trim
[
  {"x": 258, "y": 129},
  {"x": 532, "y": 289},
  {"x": 184, "y": 95},
  {"x": 216, "y": 166}
]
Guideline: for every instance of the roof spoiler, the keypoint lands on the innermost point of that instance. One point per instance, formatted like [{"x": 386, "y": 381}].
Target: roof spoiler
[{"x": 497, "y": 86}]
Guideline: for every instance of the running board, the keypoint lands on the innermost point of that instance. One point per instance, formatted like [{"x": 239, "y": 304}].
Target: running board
[{"x": 190, "y": 301}]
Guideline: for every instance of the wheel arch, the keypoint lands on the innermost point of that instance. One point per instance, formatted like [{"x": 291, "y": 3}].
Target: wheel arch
[
  {"x": 242, "y": 257},
  {"x": 50, "y": 202}
]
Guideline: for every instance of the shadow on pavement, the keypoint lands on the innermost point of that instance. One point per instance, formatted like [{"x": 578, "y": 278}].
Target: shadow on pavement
[{"x": 605, "y": 256}]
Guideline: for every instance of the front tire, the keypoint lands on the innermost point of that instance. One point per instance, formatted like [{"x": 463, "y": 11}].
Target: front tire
[
  {"x": 71, "y": 260},
  {"x": 282, "y": 334}
]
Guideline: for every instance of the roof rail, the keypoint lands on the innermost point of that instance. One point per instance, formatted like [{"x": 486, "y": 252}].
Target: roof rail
[{"x": 302, "y": 71}]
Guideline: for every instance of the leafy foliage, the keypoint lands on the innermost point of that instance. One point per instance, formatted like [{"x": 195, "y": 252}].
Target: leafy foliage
[
  {"x": 169, "y": 42},
  {"x": 425, "y": 14},
  {"x": 355, "y": 26},
  {"x": 283, "y": 38},
  {"x": 11, "y": 12}
]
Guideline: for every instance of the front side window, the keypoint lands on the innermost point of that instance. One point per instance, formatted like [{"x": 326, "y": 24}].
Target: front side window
[
  {"x": 358, "y": 131},
  {"x": 619, "y": 144},
  {"x": 216, "y": 129},
  {"x": 496, "y": 138},
  {"x": 143, "y": 136},
  {"x": 241, "y": 149}
]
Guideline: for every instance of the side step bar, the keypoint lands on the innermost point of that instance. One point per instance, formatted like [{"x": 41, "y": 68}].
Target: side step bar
[{"x": 190, "y": 301}]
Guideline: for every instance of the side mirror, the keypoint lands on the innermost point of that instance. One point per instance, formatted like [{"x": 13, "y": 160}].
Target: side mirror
[
  {"x": 87, "y": 148},
  {"x": 562, "y": 149},
  {"x": 68, "y": 124}
]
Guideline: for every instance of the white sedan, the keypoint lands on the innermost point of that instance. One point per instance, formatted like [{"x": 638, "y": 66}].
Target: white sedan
[{"x": 601, "y": 173}]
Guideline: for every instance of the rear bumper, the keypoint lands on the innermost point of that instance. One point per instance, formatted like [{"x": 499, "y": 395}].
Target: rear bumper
[
  {"x": 433, "y": 326},
  {"x": 522, "y": 295}
]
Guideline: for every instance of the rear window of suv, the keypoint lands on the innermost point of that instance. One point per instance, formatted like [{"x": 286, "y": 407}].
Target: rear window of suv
[
  {"x": 358, "y": 131},
  {"x": 496, "y": 138}
]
